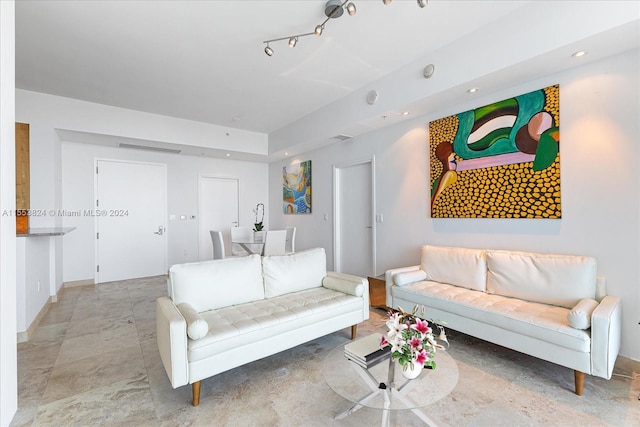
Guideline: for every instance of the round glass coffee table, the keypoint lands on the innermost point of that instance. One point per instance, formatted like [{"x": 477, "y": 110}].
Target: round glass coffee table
[{"x": 383, "y": 386}]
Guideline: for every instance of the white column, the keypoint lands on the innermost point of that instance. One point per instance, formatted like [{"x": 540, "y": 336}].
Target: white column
[{"x": 8, "y": 336}]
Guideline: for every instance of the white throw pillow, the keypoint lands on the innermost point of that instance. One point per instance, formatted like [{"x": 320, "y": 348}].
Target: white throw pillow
[
  {"x": 284, "y": 274},
  {"x": 344, "y": 286},
  {"x": 580, "y": 316},
  {"x": 561, "y": 280},
  {"x": 462, "y": 267},
  {"x": 219, "y": 283},
  {"x": 407, "y": 277},
  {"x": 197, "y": 327}
]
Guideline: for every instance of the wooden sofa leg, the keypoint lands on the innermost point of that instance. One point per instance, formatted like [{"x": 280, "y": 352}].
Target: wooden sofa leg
[
  {"x": 195, "y": 388},
  {"x": 353, "y": 331},
  {"x": 579, "y": 377}
]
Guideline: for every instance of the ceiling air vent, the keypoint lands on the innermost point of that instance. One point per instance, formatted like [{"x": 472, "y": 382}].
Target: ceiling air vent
[
  {"x": 149, "y": 148},
  {"x": 341, "y": 137}
]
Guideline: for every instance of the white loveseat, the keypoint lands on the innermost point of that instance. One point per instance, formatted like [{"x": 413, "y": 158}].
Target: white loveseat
[
  {"x": 224, "y": 313},
  {"x": 553, "y": 307}
]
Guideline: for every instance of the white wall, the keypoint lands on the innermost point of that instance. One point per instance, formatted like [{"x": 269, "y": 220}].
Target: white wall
[
  {"x": 8, "y": 351},
  {"x": 182, "y": 199},
  {"x": 31, "y": 283},
  {"x": 63, "y": 180},
  {"x": 599, "y": 110}
]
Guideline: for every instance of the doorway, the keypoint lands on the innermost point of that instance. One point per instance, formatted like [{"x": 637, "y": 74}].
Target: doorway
[
  {"x": 354, "y": 226},
  {"x": 130, "y": 214},
  {"x": 218, "y": 211}
]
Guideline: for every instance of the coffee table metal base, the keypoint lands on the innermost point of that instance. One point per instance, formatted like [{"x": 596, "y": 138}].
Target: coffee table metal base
[
  {"x": 387, "y": 391},
  {"x": 376, "y": 386}
]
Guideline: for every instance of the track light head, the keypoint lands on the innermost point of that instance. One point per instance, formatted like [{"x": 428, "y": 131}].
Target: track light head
[
  {"x": 422, "y": 3},
  {"x": 318, "y": 30},
  {"x": 351, "y": 9},
  {"x": 268, "y": 50},
  {"x": 386, "y": 2},
  {"x": 293, "y": 41}
]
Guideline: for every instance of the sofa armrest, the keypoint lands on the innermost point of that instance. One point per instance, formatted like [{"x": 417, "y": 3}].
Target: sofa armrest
[
  {"x": 349, "y": 284},
  {"x": 171, "y": 335},
  {"x": 169, "y": 287},
  {"x": 606, "y": 325},
  {"x": 388, "y": 275}
]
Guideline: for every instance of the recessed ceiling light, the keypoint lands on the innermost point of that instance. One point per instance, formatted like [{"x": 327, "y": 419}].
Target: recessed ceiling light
[
  {"x": 228, "y": 155},
  {"x": 579, "y": 53},
  {"x": 286, "y": 154},
  {"x": 405, "y": 113},
  {"x": 428, "y": 71},
  {"x": 372, "y": 97},
  {"x": 473, "y": 90}
]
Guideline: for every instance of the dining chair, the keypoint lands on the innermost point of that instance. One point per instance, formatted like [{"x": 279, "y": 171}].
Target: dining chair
[
  {"x": 218, "y": 244},
  {"x": 240, "y": 234},
  {"x": 290, "y": 242},
  {"x": 274, "y": 242}
]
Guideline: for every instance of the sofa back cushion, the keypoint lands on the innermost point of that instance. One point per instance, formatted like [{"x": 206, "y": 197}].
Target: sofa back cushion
[
  {"x": 284, "y": 274},
  {"x": 462, "y": 267},
  {"x": 219, "y": 283},
  {"x": 561, "y": 280}
]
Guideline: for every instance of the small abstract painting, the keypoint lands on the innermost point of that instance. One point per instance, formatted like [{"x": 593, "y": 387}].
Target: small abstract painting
[
  {"x": 498, "y": 161},
  {"x": 296, "y": 188}
]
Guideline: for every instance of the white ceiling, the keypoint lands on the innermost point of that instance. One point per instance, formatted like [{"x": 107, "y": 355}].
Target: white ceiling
[{"x": 205, "y": 60}]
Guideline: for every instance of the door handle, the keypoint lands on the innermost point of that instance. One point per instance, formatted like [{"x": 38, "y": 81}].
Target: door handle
[{"x": 160, "y": 231}]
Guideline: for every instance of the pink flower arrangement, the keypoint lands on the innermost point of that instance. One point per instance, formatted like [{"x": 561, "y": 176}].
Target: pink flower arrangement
[{"x": 412, "y": 340}]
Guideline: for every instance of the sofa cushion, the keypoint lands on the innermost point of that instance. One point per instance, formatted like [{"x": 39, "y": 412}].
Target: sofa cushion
[
  {"x": 284, "y": 274},
  {"x": 232, "y": 327},
  {"x": 560, "y": 280},
  {"x": 580, "y": 316},
  {"x": 219, "y": 283},
  {"x": 544, "y": 322},
  {"x": 455, "y": 266}
]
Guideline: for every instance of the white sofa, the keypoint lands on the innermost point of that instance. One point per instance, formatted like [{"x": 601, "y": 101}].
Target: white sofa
[
  {"x": 553, "y": 307},
  {"x": 224, "y": 313}
]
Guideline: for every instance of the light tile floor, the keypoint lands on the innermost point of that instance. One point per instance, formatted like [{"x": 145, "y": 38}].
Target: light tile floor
[{"x": 94, "y": 361}]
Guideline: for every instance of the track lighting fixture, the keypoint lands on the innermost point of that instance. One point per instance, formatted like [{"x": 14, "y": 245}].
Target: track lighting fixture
[
  {"x": 386, "y": 2},
  {"x": 332, "y": 9}
]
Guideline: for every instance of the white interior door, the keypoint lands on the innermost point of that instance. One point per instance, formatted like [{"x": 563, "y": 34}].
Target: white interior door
[
  {"x": 130, "y": 214},
  {"x": 218, "y": 211},
  {"x": 354, "y": 213}
]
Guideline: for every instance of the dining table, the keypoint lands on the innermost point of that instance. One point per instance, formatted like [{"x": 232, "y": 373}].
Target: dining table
[{"x": 253, "y": 243}]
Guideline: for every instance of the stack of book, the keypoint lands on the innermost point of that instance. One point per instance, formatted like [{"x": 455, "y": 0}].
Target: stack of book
[{"x": 366, "y": 351}]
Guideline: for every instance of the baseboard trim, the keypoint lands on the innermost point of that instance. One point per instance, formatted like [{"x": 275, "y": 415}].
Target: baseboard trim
[
  {"x": 28, "y": 334},
  {"x": 86, "y": 282},
  {"x": 25, "y": 336}
]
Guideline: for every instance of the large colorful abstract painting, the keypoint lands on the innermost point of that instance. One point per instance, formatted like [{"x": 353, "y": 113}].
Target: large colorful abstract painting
[
  {"x": 498, "y": 161},
  {"x": 296, "y": 188}
]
